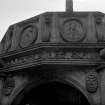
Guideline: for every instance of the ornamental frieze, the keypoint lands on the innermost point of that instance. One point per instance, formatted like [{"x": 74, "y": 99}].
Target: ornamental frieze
[{"x": 58, "y": 55}]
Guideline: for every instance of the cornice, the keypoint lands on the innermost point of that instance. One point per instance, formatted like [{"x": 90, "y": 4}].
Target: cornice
[
  {"x": 54, "y": 45},
  {"x": 53, "y": 54},
  {"x": 67, "y": 63}
]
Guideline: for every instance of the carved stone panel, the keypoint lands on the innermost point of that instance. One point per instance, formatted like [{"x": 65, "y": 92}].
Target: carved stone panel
[
  {"x": 28, "y": 35},
  {"x": 72, "y": 30}
]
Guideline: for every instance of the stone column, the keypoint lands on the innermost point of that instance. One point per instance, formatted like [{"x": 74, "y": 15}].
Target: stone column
[{"x": 69, "y": 5}]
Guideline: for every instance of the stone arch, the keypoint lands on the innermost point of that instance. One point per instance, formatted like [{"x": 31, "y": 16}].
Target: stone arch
[{"x": 69, "y": 82}]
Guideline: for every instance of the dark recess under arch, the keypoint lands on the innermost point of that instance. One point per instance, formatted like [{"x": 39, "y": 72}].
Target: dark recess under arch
[{"x": 52, "y": 93}]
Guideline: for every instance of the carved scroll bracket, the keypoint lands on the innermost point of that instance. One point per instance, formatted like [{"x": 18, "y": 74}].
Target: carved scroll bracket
[
  {"x": 8, "y": 85},
  {"x": 92, "y": 82}
]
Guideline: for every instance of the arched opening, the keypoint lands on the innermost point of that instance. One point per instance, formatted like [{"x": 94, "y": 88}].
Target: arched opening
[{"x": 54, "y": 93}]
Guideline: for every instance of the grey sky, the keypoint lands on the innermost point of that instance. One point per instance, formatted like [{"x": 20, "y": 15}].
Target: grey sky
[{"x": 13, "y": 11}]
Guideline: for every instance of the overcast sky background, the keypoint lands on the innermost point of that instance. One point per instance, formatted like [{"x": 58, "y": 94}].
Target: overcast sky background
[{"x": 13, "y": 11}]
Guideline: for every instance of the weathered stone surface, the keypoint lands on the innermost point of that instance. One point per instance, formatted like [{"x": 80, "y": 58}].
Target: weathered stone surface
[{"x": 64, "y": 47}]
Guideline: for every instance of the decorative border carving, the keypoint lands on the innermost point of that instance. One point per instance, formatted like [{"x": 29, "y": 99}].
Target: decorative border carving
[
  {"x": 89, "y": 46},
  {"x": 72, "y": 56},
  {"x": 67, "y": 54}
]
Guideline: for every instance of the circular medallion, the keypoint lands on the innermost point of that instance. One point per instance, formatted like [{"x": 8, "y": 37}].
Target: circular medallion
[
  {"x": 72, "y": 30},
  {"x": 92, "y": 82},
  {"x": 29, "y": 35}
]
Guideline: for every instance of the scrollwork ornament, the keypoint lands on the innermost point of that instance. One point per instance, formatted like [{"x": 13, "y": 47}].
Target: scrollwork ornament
[
  {"x": 28, "y": 35},
  {"x": 92, "y": 82},
  {"x": 72, "y": 30}
]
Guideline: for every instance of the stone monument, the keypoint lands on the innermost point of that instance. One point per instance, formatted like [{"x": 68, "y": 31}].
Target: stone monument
[{"x": 54, "y": 58}]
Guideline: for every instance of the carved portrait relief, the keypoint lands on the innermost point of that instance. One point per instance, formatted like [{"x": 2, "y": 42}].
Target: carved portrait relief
[
  {"x": 72, "y": 30},
  {"x": 28, "y": 35}
]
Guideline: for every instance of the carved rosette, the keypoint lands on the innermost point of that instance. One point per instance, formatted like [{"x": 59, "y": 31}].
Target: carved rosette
[
  {"x": 92, "y": 82},
  {"x": 28, "y": 35},
  {"x": 9, "y": 85},
  {"x": 72, "y": 30}
]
